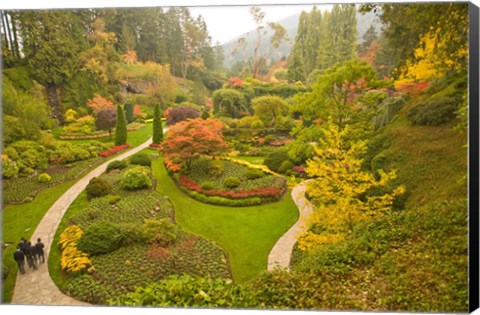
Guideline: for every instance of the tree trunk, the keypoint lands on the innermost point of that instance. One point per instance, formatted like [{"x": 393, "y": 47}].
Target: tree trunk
[
  {"x": 4, "y": 25},
  {"x": 15, "y": 39},
  {"x": 54, "y": 102}
]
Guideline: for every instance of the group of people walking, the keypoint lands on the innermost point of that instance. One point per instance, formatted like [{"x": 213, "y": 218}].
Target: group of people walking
[{"x": 34, "y": 254}]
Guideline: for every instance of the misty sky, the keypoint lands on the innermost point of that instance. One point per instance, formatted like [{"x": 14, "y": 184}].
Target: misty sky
[{"x": 226, "y": 23}]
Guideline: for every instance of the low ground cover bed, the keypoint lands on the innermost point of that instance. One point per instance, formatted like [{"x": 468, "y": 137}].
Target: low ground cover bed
[{"x": 24, "y": 189}]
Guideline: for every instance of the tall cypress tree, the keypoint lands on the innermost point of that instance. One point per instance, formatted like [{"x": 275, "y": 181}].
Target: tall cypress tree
[
  {"x": 312, "y": 41},
  {"x": 129, "y": 112},
  {"x": 339, "y": 39},
  {"x": 121, "y": 127},
  {"x": 157, "y": 125},
  {"x": 296, "y": 61}
]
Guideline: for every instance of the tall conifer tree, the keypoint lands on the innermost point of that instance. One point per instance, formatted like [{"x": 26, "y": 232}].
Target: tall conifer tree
[
  {"x": 121, "y": 127},
  {"x": 157, "y": 125}
]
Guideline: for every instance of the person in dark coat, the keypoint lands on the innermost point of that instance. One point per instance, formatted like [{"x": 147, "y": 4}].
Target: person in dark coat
[
  {"x": 40, "y": 252},
  {"x": 30, "y": 255},
  {"x": 20, "y": 259},
  {"x": 22, "y": 244}
]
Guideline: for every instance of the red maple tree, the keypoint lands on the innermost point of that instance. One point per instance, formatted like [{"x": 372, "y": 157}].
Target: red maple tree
[
  {"x": 188, "y": 139},
  {"x": 98, "y": 103}
]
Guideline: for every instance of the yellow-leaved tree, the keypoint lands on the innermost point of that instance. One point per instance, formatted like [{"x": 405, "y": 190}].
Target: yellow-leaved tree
[
  {"x": 433, "y": 58},
  {"x": 341, "y": 191}
]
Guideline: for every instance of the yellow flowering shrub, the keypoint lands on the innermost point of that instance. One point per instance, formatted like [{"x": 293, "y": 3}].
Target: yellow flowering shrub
[{"x": 72, "y": 259}]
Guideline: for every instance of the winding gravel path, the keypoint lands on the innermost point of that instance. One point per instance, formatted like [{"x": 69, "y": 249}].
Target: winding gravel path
[
  {"x": 280, "y": 255},
  {"x": 35, "y": 287}
]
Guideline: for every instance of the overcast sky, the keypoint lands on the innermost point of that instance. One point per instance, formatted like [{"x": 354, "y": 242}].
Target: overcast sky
[{"x": 228, "y": 22}]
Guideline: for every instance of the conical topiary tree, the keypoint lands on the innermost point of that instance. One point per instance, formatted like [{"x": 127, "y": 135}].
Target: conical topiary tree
[
  {"x": 120, "y": 127},
  {"x": 129, "y": 112},
  {"x": 157, "y": 125}
]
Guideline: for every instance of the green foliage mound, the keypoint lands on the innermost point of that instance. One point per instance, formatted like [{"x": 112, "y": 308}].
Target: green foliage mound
[
  {"x": 285, "y": 167},
  {"x": 433, "y": 112},
  {"x": 275, "y": 159},
  {"x": 184, "y": 290},
  {"x": 138, "y": 177},
  {"x": 97, "y": 187},
  {"x": 141, "y": 159},
  {"x": 100, "y": 238},
  {"x": 162, "y": 232},
  {"x": 253, "y": 173},
  {"x": 44, "y": 178},
  {"x": 215, "y": 168},
  {"x": 208, "y": 185},
  {"x": 231, "y": 182},
  {"x": 116, "y": 165}
]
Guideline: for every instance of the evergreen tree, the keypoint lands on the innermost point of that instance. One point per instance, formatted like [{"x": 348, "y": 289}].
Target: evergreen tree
[
  {"x": 296, "y": 61},
  {"x": 174, "y": 37},
  {"x": 129, "y": 112},
  {"x": 157, "y": 125},
  {"x": 121, "y": 127},
  {"x": 312, "y": 41},
  {"x": 52, "y": 40},
  {"x": 339, "y": 39}
]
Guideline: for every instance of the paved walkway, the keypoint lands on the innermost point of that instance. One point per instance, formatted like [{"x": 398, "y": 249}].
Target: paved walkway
[
  {"x": 281, "y": 252},
  {"x": 36, "y": 287}
]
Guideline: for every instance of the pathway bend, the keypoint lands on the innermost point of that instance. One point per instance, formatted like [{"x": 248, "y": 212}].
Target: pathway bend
[
  {"x": 36, "y": 287},
  {"x": 281, "y": 253}
]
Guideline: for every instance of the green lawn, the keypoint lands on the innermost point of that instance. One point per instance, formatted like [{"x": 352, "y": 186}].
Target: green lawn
[
  {"x": 134, "y": 138},
  {"x": 247, "y": 234}
]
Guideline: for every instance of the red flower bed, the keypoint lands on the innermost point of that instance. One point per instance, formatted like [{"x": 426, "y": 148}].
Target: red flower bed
[
  {"x": 264, "y": 192},
  {"x": 155, "y": 145},
  {"x": 114, "y": 150}
]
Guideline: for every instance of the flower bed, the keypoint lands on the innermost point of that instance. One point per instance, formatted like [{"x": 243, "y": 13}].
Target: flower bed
[
  {"x": 216, "y": 188},
  {"x": 264, "y": 192},
  {"x": 114, "y": 150}
]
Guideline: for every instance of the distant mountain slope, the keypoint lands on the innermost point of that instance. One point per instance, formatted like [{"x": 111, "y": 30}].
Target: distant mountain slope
[{"x": 291, "y": 25}]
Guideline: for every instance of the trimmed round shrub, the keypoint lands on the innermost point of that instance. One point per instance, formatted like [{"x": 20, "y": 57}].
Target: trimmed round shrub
[
  {"x": 131, "y": 233},
  {"x": 116, "y": 165},
  {"x": 141, "y": 159},
  {"x": 208, "y": 186},
  {"x": 97, "y": 187},
  {"x": 136, "y": 178},
  {"x": 286, "y": 166},
  {"x": 275, "y": 159},
  {"x": 433, "y": 112},
  {"x": 34, "y": 159},
  {"x": 9, "y": 168},
  {"x": 231, "y": 182},
  {"x": 44, "y": 178},
  {"x": 160, "y": 231},
  {"x": 257, "y": 124},
  {"x": 114, "y": 199},
  {"x": 100, "y": 238},
  {"x": 215, "y": 168},
  {"x": 253, "y": 173}
]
